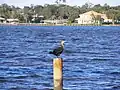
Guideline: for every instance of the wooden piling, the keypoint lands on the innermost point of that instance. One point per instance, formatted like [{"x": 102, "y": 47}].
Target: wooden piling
[{"x": 57, "y": 73}]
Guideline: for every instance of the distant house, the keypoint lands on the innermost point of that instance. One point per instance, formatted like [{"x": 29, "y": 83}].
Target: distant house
[
  {"x": 57, "y": 22},
  {"x": 37, "y": 19},
  {"x": 108, "y": 20},
  {"x": 90, "y": 17},
  {"x": 2, "y": 20},
  {"x": 13, "y": 21}
]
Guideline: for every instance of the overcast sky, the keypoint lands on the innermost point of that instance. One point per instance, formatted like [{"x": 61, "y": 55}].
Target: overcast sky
[{"x": 22, "y": 3}]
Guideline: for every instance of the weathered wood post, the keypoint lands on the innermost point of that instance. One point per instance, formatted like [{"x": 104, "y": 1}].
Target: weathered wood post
[{"x": 57, "y": 73}]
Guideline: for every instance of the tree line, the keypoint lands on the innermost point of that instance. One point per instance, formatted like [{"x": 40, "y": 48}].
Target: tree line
[{"x": 56, "y": 11}]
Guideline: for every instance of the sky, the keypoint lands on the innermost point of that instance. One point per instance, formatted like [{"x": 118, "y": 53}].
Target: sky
[{"x": 22, "y": 3}]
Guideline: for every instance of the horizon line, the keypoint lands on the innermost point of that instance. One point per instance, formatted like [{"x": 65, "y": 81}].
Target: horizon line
[{"x": 54, "y": 4}]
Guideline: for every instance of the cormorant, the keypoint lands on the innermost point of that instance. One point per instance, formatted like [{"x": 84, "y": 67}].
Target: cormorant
[{"x": 58, "y": 50}]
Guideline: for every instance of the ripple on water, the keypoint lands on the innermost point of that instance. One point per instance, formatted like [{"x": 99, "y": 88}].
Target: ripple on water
[{"x": 91, "y": 57}]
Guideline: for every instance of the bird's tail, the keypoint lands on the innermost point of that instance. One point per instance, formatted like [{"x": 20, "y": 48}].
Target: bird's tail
[{"x": 50, "y": 52}]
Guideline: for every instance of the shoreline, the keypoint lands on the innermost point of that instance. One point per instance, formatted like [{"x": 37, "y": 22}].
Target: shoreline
[{"x": 39, "y": 24}]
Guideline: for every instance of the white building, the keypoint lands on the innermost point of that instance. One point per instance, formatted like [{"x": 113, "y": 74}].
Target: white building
[
  {"x": 89, "y": 17},
  {"x": 108, "y": 20},
  {"x": 13, "y": 21},
  {"x": 63, "y": 21},
  {"x": 37, "y": 18}
]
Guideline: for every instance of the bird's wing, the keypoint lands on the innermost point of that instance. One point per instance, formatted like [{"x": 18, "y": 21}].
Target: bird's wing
[{"x": 58, "y": 50}]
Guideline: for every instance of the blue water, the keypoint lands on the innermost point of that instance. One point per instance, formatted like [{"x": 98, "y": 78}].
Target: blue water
[{"x": 91, "y": 57}]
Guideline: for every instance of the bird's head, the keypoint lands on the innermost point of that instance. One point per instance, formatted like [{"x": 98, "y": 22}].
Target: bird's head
[{"x": 62, "y": 42}]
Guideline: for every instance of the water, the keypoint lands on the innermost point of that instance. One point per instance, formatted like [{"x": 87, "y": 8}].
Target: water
[{"x": 91, "y": 57}]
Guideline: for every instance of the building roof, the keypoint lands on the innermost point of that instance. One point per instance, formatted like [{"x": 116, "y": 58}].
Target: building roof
[
  {"x": 41, "y": 16},
  {"x": 56, "y": 21},
  {"x": 2, "y": 18},
  {"x": 11, "y": 20},
  {"x": 95, "y": 13}
]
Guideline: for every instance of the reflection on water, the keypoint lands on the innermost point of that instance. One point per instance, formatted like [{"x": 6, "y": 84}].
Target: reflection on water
[{"x": 91, "y": 57}]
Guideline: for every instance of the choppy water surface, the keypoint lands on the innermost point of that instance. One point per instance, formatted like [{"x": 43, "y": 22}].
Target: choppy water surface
[{"x": 91, "y": 57}]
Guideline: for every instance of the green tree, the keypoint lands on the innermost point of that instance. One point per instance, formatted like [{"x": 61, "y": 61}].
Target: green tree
[
  {"x": 46, "y": 12},
  {"x": 112, "y": 14}
]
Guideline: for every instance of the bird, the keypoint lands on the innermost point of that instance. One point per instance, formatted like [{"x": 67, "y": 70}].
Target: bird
[{"x": 57, "y": 51}]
